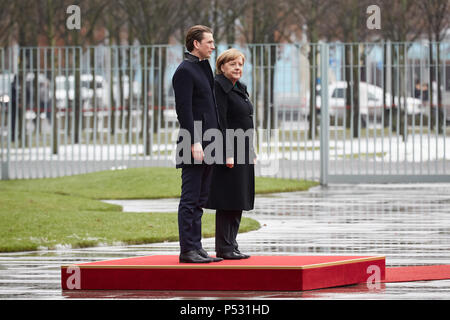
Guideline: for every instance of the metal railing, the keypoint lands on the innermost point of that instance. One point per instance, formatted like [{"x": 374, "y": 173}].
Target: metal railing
[
  {"x": 389, "y": 107},
  {"x": 72, "y": 110}
]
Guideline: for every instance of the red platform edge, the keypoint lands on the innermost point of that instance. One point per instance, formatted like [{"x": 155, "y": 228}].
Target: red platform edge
[{"x": 259, "y": 273}]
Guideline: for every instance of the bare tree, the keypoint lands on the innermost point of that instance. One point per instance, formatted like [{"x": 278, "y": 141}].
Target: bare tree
[
  {"x": 148, "y": 22},
  {"x": 91, "y": 13},
  {"x": 7, "y": 21},
  {"x": 401, "y": 23},
  {"x": 264, "y": 22},
  {"x": 312, "y": 14},
  {"x": 21, "y": 27},
  {"x": 401, "y": 20},
  {"x": 436, "y": 15},
  {"x": 349, "y": 25}
]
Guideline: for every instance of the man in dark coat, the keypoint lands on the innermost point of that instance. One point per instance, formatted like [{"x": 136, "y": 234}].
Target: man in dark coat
[{"x": 193, "y": 84}]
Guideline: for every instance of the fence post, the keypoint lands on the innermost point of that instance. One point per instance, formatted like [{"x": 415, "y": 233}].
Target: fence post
[
  {"x": 6, "y": 155},
  {"x": 324, "y": 118},
  {"x": 5, "y": 169},
  {"x": 6, "y": 116}
]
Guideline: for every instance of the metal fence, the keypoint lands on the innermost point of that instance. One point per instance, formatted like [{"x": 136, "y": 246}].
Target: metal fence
[
  {"x": 358, "y": 112},
  {"x": 388, "y": 108}
]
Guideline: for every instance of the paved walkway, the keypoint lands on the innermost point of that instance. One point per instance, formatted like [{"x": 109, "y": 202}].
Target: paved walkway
[{"x": 409, "y": 224}]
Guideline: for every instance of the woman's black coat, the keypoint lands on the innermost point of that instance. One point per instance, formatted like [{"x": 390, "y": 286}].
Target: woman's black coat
[{"x": 234, "y": 188}]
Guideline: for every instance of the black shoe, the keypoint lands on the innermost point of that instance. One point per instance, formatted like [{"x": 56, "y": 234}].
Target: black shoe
[
  {"x": 245, "y": 256},
  {"x": 193, "y": 257},
  {"x": 205, "y": 254},
  {"x": 233, "y": 255}
]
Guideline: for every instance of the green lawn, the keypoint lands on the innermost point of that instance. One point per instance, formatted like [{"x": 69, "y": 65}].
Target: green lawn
[{"x": 44, "y": 213}]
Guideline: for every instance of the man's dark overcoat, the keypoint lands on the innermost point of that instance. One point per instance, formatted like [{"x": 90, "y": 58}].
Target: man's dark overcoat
[{"x": 193, "y": 84}]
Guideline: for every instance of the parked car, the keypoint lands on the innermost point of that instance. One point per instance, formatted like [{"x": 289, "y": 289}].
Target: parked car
[
  {"x": 136, "y": 89},
  {"x": 32, "y": 94},
  {"x": 65, "y": 92},
  {"x": 370, "y": 101}
]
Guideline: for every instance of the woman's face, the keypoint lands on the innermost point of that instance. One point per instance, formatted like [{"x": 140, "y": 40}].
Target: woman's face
[{"x": 233, "y": 69}]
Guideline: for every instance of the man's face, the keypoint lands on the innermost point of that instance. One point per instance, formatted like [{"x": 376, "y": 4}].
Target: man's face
[{"x": 205, "y": 47}]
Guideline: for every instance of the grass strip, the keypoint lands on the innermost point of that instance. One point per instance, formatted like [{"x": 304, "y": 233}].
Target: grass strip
[{"x": 66, "y": 211}]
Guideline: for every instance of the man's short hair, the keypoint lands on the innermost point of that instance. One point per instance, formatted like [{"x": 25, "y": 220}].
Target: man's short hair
[{"x": 195, "y": 33}]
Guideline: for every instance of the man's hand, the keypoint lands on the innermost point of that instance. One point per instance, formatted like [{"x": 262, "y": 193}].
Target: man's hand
[
  {"x": 197, "y": 151},
  {"x": 230, "y": 162}
]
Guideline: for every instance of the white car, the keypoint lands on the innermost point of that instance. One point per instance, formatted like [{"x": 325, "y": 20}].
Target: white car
[
  {"x": 87, "y": 92},
  {"x": 370, "y": 100}
]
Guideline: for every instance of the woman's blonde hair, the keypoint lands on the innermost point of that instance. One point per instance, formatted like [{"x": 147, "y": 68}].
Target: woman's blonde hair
[{"x": 226, "y": 56}]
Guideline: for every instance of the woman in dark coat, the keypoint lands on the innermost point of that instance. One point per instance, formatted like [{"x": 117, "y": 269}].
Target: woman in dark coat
[{"x": 233, "y": 183}]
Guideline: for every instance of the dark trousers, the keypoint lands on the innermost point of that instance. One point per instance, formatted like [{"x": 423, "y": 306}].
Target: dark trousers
[
  {"x": 227, "y": 227},
  {"x": 195, "y": 184}
]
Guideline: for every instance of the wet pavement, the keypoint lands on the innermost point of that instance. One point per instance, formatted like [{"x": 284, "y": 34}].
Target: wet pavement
[{"x": 407, "y": 223}]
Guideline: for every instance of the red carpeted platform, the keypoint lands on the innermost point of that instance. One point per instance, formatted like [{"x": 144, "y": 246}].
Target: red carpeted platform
[
  {"x": 417, "y": 273},
  {"x": 259, "y": 273}
]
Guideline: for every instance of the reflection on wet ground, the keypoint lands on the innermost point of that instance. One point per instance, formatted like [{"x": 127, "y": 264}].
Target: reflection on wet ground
[{"x": 409, "y": 224}]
